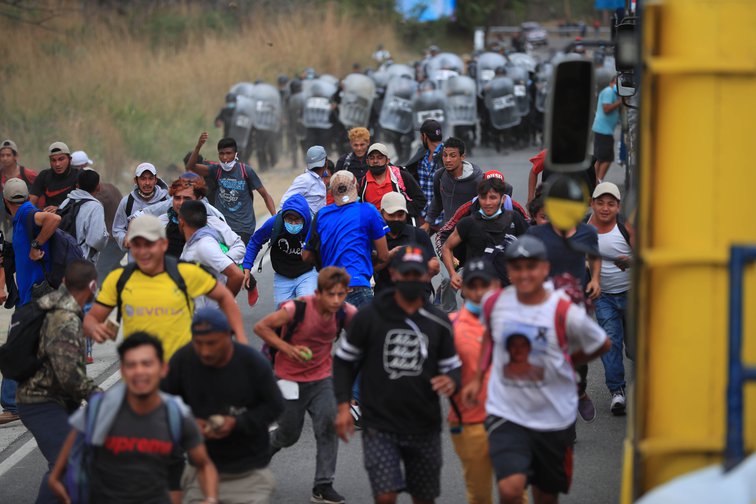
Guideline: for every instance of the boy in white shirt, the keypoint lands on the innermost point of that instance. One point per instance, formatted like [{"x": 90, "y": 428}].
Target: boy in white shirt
[{"x": 536, "y": 335}]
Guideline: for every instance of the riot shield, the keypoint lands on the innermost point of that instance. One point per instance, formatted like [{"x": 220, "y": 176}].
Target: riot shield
[
  {"x": 486, "y": 68},
  {"x": 396, "y": 113},
  {"x": 461, "y": 101},
  {"x": 357, "y": 95},
  {"x": 267, "y": 116},
  {"x": 317, "y": 104},
  {"x": 501, "y": 103}
]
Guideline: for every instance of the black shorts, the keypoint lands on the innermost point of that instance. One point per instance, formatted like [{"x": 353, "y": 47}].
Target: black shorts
[
  {"x": 545, "y": 457},
  {"x": 603, "y": 147},
  {"x": 384, "y": 453}
]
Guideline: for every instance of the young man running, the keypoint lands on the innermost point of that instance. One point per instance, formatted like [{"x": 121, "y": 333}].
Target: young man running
[
  {"x": 303, "y": 363},
  {"x": 532, "y": 399}
]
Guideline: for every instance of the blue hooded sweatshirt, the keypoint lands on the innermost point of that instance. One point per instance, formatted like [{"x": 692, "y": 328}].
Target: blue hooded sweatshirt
[{"x": 286, "y": 252}]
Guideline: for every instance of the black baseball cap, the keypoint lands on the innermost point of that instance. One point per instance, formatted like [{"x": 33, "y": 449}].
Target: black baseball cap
[
  {"x": 412, "y": 257},
  {"x": 527, "y": 247},
  {"x": 432, "y": 129},
  {"x": 478, "y": 268}
]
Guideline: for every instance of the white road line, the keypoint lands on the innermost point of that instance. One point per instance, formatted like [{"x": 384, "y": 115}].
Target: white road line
[{"x": 25, "y": 449}]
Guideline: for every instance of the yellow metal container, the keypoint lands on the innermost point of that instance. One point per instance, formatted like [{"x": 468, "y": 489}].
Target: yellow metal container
[{"x": 696, "y": 199}]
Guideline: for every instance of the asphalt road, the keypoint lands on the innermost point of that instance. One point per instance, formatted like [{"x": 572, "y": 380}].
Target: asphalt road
[{"x": 598, "y": 451}]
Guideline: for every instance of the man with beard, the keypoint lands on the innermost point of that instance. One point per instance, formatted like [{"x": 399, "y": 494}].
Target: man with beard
[
  {"x": 146, "y": 192},
  {"x": 428, "y": 160}
]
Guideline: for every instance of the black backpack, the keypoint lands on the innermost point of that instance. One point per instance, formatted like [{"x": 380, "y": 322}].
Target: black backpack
[
  {"x": 68, "y": 215},
  {"x": 64, "y": 249},
  {"x": 286, "y": 332},
  {"x": 18, "y": 356},
  {"x": 171, "y": 268}
]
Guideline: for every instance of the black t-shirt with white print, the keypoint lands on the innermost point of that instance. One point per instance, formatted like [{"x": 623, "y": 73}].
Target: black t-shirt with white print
[{"x": 398, "y": 355}]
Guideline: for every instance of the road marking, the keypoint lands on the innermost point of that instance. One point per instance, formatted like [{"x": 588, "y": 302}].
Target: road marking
[{"x": 26, "y": 448}]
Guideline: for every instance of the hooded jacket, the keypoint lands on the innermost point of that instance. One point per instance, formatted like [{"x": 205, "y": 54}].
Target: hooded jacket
[
  {"x": 121, "y": 221},
  {"x": 91, "y": 229},
  {"x": 450, "y": 193},
  {"x": 286, "y": 252}
]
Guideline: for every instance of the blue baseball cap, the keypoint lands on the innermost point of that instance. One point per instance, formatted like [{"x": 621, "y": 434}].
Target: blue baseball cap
[{"x": 209, "y": 320}]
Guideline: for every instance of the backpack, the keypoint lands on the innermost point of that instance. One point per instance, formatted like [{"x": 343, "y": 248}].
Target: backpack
[
  {"x": 68, "y": 215},
  {"x": 286, "y": 332},
  {"x": 171, "y": 268},
  {"x": 245, "y": 176},
  {"x": 130, "y": 202},
  {"x": 81, "y": 457},
  {"x": 18, "y": 356},
  {"x": 64, "y": 249}
]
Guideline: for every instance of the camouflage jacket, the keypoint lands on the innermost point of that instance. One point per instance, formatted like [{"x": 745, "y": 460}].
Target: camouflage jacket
[{"x": 63, "y": 375}]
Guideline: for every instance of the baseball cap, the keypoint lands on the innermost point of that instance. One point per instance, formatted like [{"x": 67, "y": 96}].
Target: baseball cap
[
  {"x": 478, "y": 268},
  {"x": 527, "y": 247},
  {"x": 411, "y": 258},
  {"x": 147, "y": 226},
  {"x": 143, "y": 167},
  {"x": 209, "y": 320},
  {"x": 432, "y": 129},
  {"x": 393, "y": 202},
  {"x": 15, "y": 191},
  {"x": 9, "y": 143},
  {"x": 80, "y": 158},
  {"x": 316, "y": 156},
  {"x": 380, "y": 148},
  {"x": 607, "y": 188},
  {"x": 494, "y": 174},
  {"x": 58, "y": 148},
  {"x": 343, "y": 187}
]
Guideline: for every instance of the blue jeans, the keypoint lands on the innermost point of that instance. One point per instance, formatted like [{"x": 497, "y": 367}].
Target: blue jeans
[
  {"x": 289, "y": 288},
  {"x": 8, "y": 395},
  {"x": 610, "y": 314},
  {"x": 48, "y": 423},
  {"x": 359, "y": 296}
]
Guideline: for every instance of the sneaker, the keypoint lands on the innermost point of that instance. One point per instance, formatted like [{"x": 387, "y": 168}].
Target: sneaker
[
  {"x": 325, "y": 494},
  {"x": 8, "y": 417},
  {"x": 586, "y": 408},
  {"x": 618, "y": 403}
]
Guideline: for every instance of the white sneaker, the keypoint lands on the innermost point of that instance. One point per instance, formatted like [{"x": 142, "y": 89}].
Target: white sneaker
[{"x": 618, "y": 403}]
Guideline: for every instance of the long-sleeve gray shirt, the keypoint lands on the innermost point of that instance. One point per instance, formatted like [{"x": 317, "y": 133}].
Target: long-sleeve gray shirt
[
  {"x": 450, "y": 193},
  {"x": 91, "y": 230}
]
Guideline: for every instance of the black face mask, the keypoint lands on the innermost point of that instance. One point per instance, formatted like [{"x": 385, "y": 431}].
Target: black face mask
[
  {"x": 396, "y": 227},
  {"x": 425, "y": 144},
  {"x": 377, "y": 170},
  {"x": 411, "y": 290}
]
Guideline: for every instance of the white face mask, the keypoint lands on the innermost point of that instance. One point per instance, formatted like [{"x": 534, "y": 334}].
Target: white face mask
[{"x": 229, "y": 166}]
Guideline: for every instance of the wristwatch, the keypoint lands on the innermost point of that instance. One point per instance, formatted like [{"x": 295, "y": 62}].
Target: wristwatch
[{"x": 35, "y": 245}]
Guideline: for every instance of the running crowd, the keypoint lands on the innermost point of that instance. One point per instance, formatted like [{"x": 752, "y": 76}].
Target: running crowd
[{"x": 360, "y": 339}]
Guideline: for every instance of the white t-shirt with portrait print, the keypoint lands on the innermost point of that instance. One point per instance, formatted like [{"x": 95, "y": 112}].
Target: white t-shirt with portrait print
[{"x": 533, "y": 383}]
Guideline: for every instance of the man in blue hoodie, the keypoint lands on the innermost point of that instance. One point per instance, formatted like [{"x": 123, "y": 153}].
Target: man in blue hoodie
[{"x": 286, "y": 231}]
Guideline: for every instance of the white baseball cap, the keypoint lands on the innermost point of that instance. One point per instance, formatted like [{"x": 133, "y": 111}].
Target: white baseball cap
[
  {"x": 80, "y": 158},
  {"x": 143, "y": 167}
]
